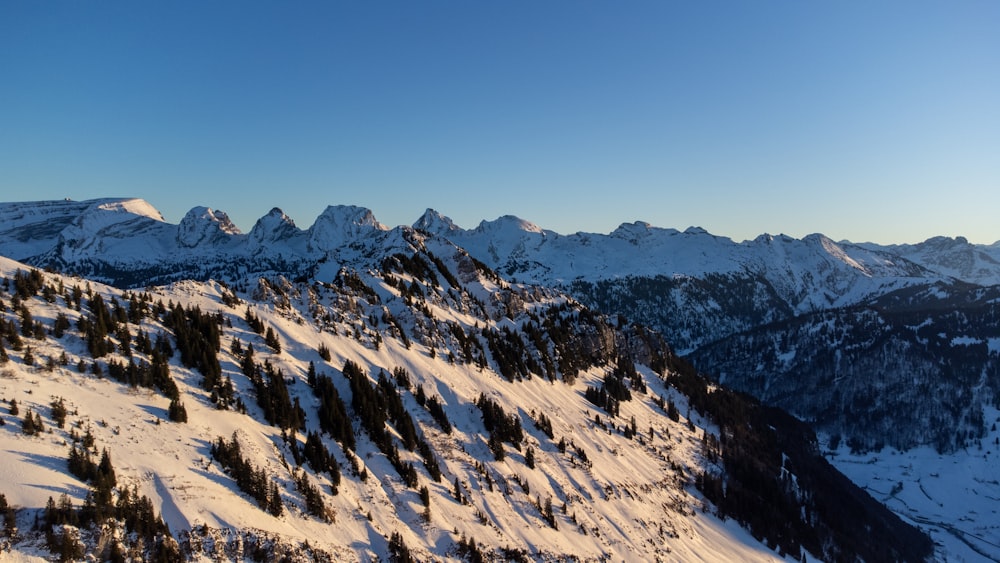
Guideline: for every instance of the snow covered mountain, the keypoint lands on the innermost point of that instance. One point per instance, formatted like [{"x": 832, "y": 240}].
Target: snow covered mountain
[
  {"x": 751, "y": 311},
  {"x": 696, "y": 287},
  {"x": 125, "y": 242},
  {"x": 121, "y": 240},
  {"x": 956, "y": 257},
  {"x": 427, "y": 408},
  {"x": 692, "y": 286}
]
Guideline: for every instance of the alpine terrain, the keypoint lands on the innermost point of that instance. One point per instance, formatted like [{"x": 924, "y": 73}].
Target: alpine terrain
[{"x": 352, "y": 391}]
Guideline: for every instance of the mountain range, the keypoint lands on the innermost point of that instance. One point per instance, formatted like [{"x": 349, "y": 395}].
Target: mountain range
[
  {"x": 695, "y": 288},
  {"x": 802, "y": 324},
  {"x": 809, "y": 274}
]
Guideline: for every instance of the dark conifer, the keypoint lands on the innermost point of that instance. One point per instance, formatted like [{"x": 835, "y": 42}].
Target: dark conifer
[
  {"x": 58, "y": 412},
  {"x": 105, "y": 470},
  {"x": 176, "y": 411},
  {"x": 28, "y": 426},
  {"x": 271, "y": 339},
  {"x": 324, "y": 352}
]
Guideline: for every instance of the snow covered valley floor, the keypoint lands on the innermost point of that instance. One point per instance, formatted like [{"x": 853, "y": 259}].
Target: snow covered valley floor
[{"x": 954, "y": 497}]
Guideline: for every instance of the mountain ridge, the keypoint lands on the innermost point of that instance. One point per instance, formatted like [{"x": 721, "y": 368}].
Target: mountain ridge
[
  {"x": 629, "y": 486},
  {"x": 695, "y": 287}
]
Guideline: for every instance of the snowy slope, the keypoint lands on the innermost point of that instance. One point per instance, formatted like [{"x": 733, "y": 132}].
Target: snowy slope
[{"x": 629, "y": 501}]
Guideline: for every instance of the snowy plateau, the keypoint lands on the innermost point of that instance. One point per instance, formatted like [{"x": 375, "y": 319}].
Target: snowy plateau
[{"x": 352, "y": 391}]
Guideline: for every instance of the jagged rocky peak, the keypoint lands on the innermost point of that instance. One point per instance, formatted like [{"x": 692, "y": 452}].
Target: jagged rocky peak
[
  {"x": 202, "y": 225},
  {"x": 340, "y": 223},
  {"x": 347, "y": 217},
  {"x": 436, "y": 223},
  {"x": 273, "y": 227}
]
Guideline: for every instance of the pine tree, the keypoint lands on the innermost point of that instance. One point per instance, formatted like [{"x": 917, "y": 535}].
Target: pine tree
[
  {"x": 59, "y": 412},
  {"x": 398, "y": 551},
  {"x": 61, "y": 325},
  {"x": 271, "y": 339},
  {"x": 324, "y": 352},
  {"x": 105, "y": 470},
  {"x": 27, "y": 322},
  {"x": 550, "y": 516},
  {"x": 28, "y": 426},
  {"x": 274, "y": 504},
  {"x": 672, "y": 412},
  {"x": 496, "y": 446},
  {"x": 176, "y": 411}
]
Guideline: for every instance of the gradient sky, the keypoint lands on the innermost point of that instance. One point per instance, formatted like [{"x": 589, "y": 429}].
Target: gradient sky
[{"x": 864, "y": 120}]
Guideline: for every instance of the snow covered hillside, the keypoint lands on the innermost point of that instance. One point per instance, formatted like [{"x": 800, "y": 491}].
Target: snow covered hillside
[{"x": 421, "y": 407}]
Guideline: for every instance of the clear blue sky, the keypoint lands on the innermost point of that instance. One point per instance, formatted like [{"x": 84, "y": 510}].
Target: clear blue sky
[{"x": 863, "y": 120}]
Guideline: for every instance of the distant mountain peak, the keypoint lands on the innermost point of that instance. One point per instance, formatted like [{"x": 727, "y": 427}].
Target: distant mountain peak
[
  {"x": 273, "y": 227},
  {"x": 278, "y": 213},
  {"x": 509, "y": 222},
  {"x": 344, "y": 215},
  {"x": 339, "y": 224},
  {"x": 202, "y": 225},
  {"x": 434, "y": 222}
]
